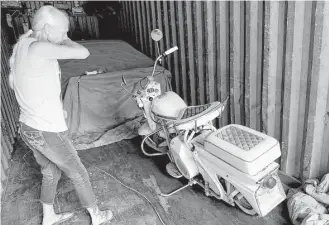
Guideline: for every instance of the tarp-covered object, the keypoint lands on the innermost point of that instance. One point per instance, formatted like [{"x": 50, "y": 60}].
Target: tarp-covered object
[
  {"x": 309, "y": 204},
  {"x": 99, "y": 111}
]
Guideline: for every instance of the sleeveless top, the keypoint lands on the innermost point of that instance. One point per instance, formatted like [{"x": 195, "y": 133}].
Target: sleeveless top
[{"x": 37, "y": 86}]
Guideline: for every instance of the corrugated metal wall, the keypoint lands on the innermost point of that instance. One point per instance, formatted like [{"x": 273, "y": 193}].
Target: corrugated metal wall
[
  {"x": 9, "y": 111},
  {"x": 272, "y": 56}
]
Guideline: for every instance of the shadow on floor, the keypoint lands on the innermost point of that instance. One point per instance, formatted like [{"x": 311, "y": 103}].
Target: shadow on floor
[{"x": 123, "y": 160}]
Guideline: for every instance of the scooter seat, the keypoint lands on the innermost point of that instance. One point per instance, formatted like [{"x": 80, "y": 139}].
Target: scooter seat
[
  {"x": 247, "y": 150},
  {"x": 192, "y": 117}
]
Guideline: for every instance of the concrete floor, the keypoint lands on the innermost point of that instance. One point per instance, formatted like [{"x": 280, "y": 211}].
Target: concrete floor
[{"x": 124, "y": 160}]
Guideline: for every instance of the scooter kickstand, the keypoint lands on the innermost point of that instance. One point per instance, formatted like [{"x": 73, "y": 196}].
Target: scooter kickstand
[{"x": 190, "y": 183}]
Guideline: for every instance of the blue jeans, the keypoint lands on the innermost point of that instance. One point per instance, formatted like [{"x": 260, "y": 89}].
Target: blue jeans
[{"x": 55, "y": 153}]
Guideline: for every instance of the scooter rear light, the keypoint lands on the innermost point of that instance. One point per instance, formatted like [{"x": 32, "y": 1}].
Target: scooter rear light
[{"x": 269, "y": 182}]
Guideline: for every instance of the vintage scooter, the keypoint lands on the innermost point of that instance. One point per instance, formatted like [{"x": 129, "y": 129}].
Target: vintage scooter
[{"x": 235, "y": 164}]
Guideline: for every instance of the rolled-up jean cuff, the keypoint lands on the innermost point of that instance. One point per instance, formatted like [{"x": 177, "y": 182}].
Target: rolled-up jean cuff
[{"x": 91, "y": 205}]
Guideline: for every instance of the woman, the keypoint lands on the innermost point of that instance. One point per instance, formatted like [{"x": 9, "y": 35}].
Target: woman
[{"x": 35, "y": 78}]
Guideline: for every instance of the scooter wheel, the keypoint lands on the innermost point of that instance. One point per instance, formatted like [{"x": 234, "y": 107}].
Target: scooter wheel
[{"x": 244, "y": 205}]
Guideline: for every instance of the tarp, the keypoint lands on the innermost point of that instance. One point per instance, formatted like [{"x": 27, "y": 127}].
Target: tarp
[
  {"x": 309, "y": 204},
  {"x": 99, "y": 111}
]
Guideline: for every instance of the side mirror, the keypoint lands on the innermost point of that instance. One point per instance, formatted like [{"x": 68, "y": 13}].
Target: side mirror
[
  {"x": 123, "y": 80},
  {"x": 156, "y": 35}
]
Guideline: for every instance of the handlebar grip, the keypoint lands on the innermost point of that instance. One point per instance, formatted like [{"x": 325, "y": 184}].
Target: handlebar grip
[{"x": 171, "y": 50}]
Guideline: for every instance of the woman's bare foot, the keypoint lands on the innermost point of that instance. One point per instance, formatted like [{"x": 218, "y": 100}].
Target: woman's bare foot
[
  {"x": 56, "y": 219},
  {"x": 99, "y": 217}
]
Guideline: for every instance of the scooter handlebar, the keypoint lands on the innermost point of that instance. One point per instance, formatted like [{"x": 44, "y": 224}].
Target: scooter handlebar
[{"x": 171, "y": 50}]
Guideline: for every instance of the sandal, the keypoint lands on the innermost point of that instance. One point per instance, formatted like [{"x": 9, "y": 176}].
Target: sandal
[{"x": 106, "y": 217}]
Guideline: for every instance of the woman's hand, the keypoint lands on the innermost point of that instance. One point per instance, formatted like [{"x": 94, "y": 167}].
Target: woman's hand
[
  {"x": 66, "y": 40},
  {"x": 65, "y": 37}
]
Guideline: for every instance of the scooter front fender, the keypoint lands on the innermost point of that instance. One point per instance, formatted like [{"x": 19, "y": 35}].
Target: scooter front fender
[{"x": 144, "y": 130}]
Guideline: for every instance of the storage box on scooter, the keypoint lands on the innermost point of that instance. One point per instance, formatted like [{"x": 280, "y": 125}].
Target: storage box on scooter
[{"x": 247, "y": 150}]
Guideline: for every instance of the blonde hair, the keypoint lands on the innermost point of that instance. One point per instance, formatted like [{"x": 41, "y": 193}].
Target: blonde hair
[{"x": 45, "y": 15}]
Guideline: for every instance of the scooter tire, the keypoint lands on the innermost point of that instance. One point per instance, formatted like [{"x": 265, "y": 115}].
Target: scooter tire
[{"x": 245, "y": 206}]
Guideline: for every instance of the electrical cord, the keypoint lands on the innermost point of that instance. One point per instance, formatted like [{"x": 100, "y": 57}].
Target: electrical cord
[
  {"x": 130, "y": 188},
  {"x": 117, "y": 180}
]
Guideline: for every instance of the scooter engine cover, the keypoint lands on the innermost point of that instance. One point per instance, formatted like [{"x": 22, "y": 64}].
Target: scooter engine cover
[
  {"x": 183, "y": 157},
  {"x": 168, "y": 105}
]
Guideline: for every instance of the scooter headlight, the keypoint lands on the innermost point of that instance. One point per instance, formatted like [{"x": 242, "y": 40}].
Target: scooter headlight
[{"x": 269, "y": 182}]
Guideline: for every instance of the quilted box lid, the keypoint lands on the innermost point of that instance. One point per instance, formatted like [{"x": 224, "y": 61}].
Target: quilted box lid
[{"x": 240, "y": 141}]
